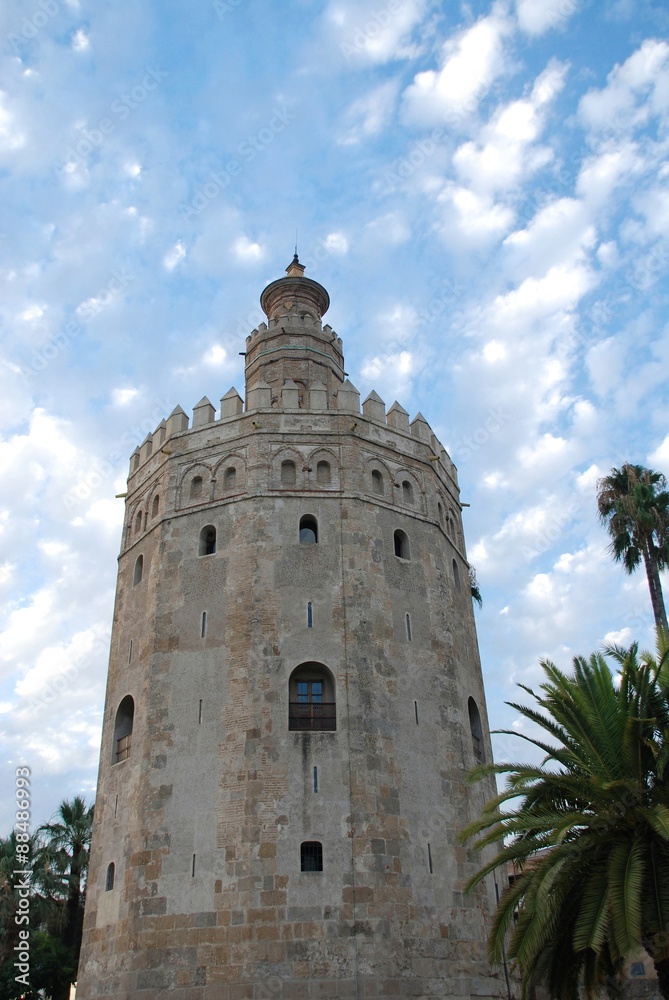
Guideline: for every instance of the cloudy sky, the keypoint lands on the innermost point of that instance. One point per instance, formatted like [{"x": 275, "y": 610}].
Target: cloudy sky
[{"x": 482, "y": 187}]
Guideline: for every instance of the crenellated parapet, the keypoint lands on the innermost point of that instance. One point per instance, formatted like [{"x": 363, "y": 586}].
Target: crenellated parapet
[{"x": 240, "y": 450}]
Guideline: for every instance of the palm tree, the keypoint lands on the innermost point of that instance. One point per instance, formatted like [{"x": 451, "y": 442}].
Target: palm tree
[
  {"x": 634, "y": 503},
  {"x": 60, "y": 867},
  {"x": 588, "y": 828}
]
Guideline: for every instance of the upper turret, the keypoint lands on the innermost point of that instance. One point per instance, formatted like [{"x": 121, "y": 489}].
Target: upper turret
[{"x": 295, "y": 345}]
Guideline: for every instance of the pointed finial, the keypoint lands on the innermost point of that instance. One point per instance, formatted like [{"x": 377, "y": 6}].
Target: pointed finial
[{"x": 295, "y": 269}]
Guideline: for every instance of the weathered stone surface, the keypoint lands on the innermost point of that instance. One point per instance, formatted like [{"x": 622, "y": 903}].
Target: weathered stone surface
[{"x": 204, "y": 819}]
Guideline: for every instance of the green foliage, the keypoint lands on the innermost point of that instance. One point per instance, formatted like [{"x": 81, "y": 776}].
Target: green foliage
[
  {"x": 587, "y": 829},
  {"x": 633, "y": 502},
  {"x": 58, "y": 866}
]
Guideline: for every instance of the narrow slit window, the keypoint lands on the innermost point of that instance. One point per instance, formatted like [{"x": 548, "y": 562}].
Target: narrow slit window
[
  {"x": 323, "y": 474},
  {"x": 116, "y": 806},
  {"x": 138, "y": 521},
  {"x": 288, "y": 475},
  {"x": 311, "y": 856},
  {"x": 456, "y": 575},
  {"x": 203, "y": 626},
  {"x": 429, "y": 858},
  {"x": 308, "y": 530},
  {"x": 207, "y": 545},
  {"x": 377, "y": 482},
  {"x": 440, "y": 509},
  {"x": 130, "y": 651},
  {"x": 139, "y": 571},
  {"x": 310, "y": 615},
  {"x": 315, "y": 779},
  {"x": 408, "y": 627},
  {"x": 476, "y": 731},
  {"x": 401, "y": 541},
  {"x": 199, "y": 714},
  {"x": 109, "y": 880},
  {"x": 415, "y": 709},
  {"x": 192, "y": 871}
]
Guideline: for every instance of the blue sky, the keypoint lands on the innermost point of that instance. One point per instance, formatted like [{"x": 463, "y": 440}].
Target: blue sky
[{"x": 482, "y": 188}]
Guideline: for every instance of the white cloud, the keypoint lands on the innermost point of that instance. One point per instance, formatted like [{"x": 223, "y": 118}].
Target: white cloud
[
  {"x": 370, "y": 114},
  {"x": 11, "y": 138},
  {"x": 174, "y": 255},
  {"x": 215, "y": 356},
  {"x": 659, "y": 458},
  {"x": 476, "y": 215},
  {"x": 635, "y": 90},
  {"x": 121, "y": 397},
  {"x": 504, "y": 154},
  {"x": 246, "y": 250},
  {"x": 538, "y": 16},
  {"x": 471, "y": 61},
  {"x": 80, "y": 40},
  {"x": 336, "y": 243},
  {"x": 376, "y": 34}
]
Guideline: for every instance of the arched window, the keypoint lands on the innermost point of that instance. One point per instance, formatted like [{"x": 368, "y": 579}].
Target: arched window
[
  {"x": 109, "y": 880},
  {"x": 311, "y": 856},
  {"x": 456, "y": 575},
  {"x": 125, "y": 716},
  {"x": 229, "y": 478},
  {"x": 139, "y": 571},
  {"x": 450, "y": 524},
  {"x": 440, "y": 510},
  {"x": 407, "y": 491},
  {"x": 308, "y": 530},
  {"x": 323, "y": 474},
  {"x": 138, "y": 522},
  {"x": 207, "y": 541},
  {"x": 288, "y": 472},
  {"x": 311, "y": 696},
  {"x": 196, "y": 487},
  {"x": 402, "y": 548},
  {"x": 476, "y": 730},
  {"x": 377, "y": 481}
]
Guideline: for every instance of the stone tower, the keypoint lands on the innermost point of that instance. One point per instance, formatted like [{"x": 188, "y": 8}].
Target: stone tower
[{"x": 294, "y": 698}]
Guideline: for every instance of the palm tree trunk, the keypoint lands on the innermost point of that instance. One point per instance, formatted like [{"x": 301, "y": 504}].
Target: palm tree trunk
[
  {"x": 662, "y": 969},
  {"x": 655, "y": 586}
]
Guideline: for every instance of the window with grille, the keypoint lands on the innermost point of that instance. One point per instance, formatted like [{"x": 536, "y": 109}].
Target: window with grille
[
  {"x": 123, "y": 725},
  {"x": 311, "y": 856},
  {"x": 311, "y": 695}
]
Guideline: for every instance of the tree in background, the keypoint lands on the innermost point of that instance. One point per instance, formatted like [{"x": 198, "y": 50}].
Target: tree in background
[
  {"x": 588, "y": 828},
  {"x": 634, "y": 504},
  {"x": 58, "y": 868}
]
